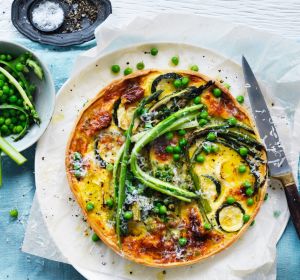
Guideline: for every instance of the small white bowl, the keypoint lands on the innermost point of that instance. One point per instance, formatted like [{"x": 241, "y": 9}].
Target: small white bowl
[{"x": 44, "y": 98}]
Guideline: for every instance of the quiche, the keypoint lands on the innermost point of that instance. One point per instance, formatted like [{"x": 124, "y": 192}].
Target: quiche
[{"x": 167, "y": 167}]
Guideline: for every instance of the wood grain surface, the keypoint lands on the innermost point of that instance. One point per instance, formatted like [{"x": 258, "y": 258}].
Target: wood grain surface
[{"x": 276, "y": 16}]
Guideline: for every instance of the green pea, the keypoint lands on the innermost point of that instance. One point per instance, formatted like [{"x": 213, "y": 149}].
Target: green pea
[
  {"x": 249, "y": 191},
  {"x": 162, "y": 210},
  {"x": 8, "y": 57},
  {"x": 207, "y": 149},
  {"x": 228, "y": 86},
  {"x": 240, "y": 99},
  {"x": 246, "y": 218},
  {"x": 115, "y": 68},
  {"x": 211, "y": 136},
  {"x": 127, "y": 71},
  {"x": 177, "y": 150},
  {"x": 13, "y": 99},
  {"x": 215, "y": 148},
  {"x": 247, "y": 184},
  {"x": 4, "y": 129},
  {"x": 203, "y": 122},
  {"x": 250, "y": 201},
  {"x": 185, "y": 81},
  {"x": 169, "y": 149},
  {"x": 140, "y": 65},
  {"x": 19, "y": 128},
  {"x": 194, "y": 68},
  {"x": 232, "y": 121},
  {"x": 175, "y": 60},
  {"x": 230, "y": 200},
  {"x": 95, "y": 237},
  {"x": 109, "y": 167},
  {"x": 156, "y": 209},
  {"x": 2, "y": 77},
  {"x": 243, "y": 151},
  {"x": 200, "y": 158},
  {"x": 109, "y": 202},
  {"x": 204, "y": 114},
  {"x": 266, "y": 196},
  {"x": 19, "y": 67},
  {"x": 90, "y": 206},
  {"x": 182, "y": 142},
  {"x": 177, "y": 83},
  {"x": 182, "y": 241},
  {"x": 154, "y": 51},
  {"x": 8, "y": 121},
  {"x": 6, "y": 89},
  {"x": 1, "y": 83},
  {"x": 14, "y": 213},
  {"x": 3, "y": 57},
  {"x": 217, "y": 92},
  {"x": 197, "y": 100},
  {"x": 169, "y": 135},
  {"x": 176, "y": 157},
  {"x": 242, "y": 168},
  {"x": 182, "y": 132},
  {"x": 19, "y": 102},
  {"x": 2, "y": 120},
  {"x": 128, "y": 215},
  {"x": 207, "y": 226}
]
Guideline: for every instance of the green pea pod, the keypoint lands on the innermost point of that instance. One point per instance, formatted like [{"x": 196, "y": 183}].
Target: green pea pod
[{"x": 25, "y": 129}]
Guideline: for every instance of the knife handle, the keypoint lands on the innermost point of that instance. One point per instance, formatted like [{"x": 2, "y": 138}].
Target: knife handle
[{"x": 293, "y": 200}]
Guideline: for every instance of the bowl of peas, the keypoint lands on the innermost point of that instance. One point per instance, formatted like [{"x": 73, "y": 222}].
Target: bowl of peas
[{"x": 27, "y": 97}]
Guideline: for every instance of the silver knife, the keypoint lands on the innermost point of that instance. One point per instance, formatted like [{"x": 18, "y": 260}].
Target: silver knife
[{"x": 279, "y": 167}]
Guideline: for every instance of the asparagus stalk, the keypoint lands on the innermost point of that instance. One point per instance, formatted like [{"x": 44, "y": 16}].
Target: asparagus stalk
[
  {"x": 166, "y": 125},
  {"x": 27, "y": 102},
  {"x": 11, "y": 151}
]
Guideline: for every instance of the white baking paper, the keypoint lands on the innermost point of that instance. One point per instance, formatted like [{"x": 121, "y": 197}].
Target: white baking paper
[{"x": 276, "y": 62}]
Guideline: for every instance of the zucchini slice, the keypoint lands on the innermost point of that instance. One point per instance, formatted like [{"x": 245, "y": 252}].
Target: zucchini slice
[
  {"x": 230, "y": 217},
  {"x": 211, "y": 187}
]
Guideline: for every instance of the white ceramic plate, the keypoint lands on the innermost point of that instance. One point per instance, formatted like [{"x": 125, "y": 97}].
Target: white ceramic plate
[{"x": 61, "y": 213}]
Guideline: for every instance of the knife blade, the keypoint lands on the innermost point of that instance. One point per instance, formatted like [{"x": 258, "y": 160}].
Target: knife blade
[{"x": 279, "y": 167}]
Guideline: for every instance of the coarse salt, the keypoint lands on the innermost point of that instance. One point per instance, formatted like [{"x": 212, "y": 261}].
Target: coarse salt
[{"x": 48, "y": 16}]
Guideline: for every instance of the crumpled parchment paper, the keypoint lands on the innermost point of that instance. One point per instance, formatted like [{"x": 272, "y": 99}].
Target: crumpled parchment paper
[{"x": 276, "y": 62}]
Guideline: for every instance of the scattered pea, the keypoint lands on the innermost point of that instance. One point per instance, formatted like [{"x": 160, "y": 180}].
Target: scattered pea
[
  {"x": 115, "y": 68},
  {"x": 154, "y": 51},
  {"x": 230, "y": 200},
  {"x": 250, "y": 201},
  {"x": 211, "y": 136},
  {"x": 162, "y": 210},
  {"x": 177, "y": 149},
  {"x": 246, "y": 218},
  {"x": 240, "y": 99},
  {"x": 194, "y": 68},
  {"x": 232, "y": 121},
  {"x": 109, "y": 202},
  {"x": 207, "y": 226},
  {"x": 242, "y": 168},
  {"x": 204, "y": 114},
  {"x": 243, "y": 151},
  {"x": 176, "y": 157},
  {"x": 169, "y": 135},
  {"x": 128, "y": 215},
  {"x": 207, "y": 149},
  {"x": 182, "y": 142},
  {"x": 169, "y": 149},
  {"x": 95, "y": 237},
  {"x": 203, "y": 122},
  {"x": 14, "y": 213},
  {"x": 19, "y": 67},
  {"x": 247, "y": 184},
  {"x": 217, "y": 92},
  {"x": 200, "y": 158},
  {"x": 90, "y": 206},
  {"x": 127, "y": 71},
  {"x": 177, "y": 83},
  {"x": 182, "y": 241},
  {"x": 215, "y": 148},
  {"x": 175, "y": 60},
  {"x": 181, "y": 132},
  {"x": 185, "y": 81},
  {"x": 197, "y": 100},
  {"x": 249, "y": 191},
  {"x": 140, "y": 65}
]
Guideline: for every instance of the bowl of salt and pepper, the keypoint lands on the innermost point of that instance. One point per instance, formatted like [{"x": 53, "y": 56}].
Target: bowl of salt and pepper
[{"x": 59, "y": 22}]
